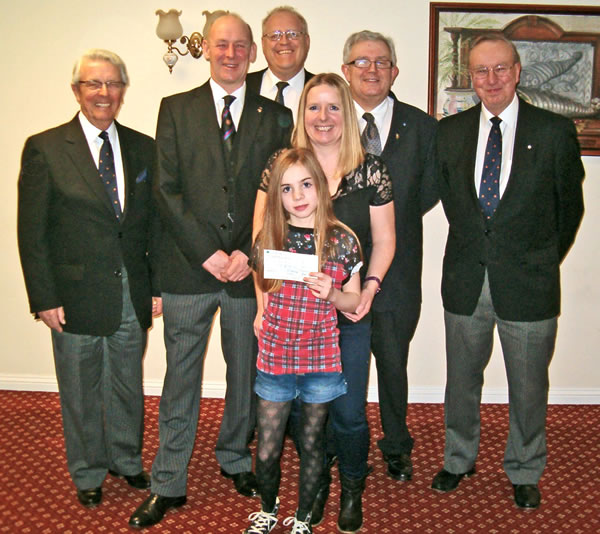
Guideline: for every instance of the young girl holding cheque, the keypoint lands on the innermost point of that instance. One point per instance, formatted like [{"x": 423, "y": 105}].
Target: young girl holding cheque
[{"x": 296, "y": 326}]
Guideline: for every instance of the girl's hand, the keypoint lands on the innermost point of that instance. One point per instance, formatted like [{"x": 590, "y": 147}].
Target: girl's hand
[
  {"x": 258, "y": 322},
  {"x": 366, "y": 299},
  {"x": 320, "y": 285}
]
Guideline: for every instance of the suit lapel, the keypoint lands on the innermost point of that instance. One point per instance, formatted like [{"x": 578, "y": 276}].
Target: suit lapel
[
  {"x": 207, "y": 135},
  {"x": 129, "y": 168},
  {"x": 248, "y": 128},
  {"x": 467, "y": 148},
  {"x": 78, "y": 150}
]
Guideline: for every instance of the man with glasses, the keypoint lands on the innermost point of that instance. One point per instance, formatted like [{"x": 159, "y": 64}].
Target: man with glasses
[
  {"x": 285, "y": 44},
  {"x": 85, "y": 225},
  {"x": 510, "y": 179},
  {"x": 404, "y": 138}
]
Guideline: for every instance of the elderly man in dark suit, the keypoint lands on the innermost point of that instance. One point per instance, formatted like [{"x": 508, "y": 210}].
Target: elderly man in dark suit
[
  {"x": 213, "y": 143},
  {"x": 510, "y": 179},
  {"x": 404, "y": 137},
  {"x": 285, "y": 44},
  {"x": 85, "y": 224}
]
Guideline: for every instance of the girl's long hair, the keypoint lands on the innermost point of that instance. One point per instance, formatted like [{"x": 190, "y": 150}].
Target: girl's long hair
[
  {"x": 275, "y": 219},
  {"x": 351, "y": 151}
]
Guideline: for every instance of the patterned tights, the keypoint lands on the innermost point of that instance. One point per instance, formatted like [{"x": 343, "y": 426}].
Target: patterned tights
[{"x": 272, "y": 420}]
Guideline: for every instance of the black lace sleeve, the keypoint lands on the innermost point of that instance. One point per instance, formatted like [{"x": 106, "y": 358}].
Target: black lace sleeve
[
  {"x": 378, "y": 176},
  {"x": 265, "y": 177}
]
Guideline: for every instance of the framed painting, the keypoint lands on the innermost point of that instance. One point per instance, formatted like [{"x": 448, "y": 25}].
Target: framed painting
[{"x": 560, "y": 59}]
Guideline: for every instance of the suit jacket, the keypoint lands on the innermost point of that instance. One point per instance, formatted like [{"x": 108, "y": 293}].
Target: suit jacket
[
  {"x": 254, "y": 79},
  {"x": 196, "y": 184},
  {"x": 534, "y": 226},
  {"x": 72, "y": 246},
  {"x": 408, "y": 154}
]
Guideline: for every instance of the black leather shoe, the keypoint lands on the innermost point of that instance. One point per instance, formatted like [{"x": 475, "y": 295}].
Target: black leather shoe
[
  {"x": 399, "y": 466},
  {"x": 446, "y": 481},
  {"x": 139, "y": 481},
  {"x": 527, "y": 495},
  {"x": 245, "y": 483},
  {"x": 90, "y": 498},
  {"x": 153, "y": 509}
]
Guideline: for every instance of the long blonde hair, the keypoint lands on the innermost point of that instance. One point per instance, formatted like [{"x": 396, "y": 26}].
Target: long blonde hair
[
  {"x": 351, "y": 152},
  {"x": 275, "y": 219}
]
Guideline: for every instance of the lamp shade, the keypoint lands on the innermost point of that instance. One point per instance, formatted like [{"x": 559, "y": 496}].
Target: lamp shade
[{"x": 169, "y": 28}]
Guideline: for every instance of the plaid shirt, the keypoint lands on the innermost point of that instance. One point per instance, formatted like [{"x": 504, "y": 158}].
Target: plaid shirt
[{"x": 299, "y": 331}]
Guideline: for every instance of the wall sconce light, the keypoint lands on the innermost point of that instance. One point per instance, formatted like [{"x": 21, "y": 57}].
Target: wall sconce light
[{"x": 169, "y": 30}]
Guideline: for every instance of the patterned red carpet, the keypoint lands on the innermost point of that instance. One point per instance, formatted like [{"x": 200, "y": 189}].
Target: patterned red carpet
[{"x": 37, "y": 496}]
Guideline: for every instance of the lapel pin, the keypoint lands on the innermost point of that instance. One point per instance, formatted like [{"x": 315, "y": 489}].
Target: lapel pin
[
  {"x": 397, "y": 135},
  {"x": 404, "y": 124},
  {"x": 259, "y": 109},
  {"x": 529, "y": 147}
]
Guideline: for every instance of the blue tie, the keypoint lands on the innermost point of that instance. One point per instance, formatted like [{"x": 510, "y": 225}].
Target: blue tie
[
  {"x": 489, "y": 189},
  {"x": 106, "y": 170}
]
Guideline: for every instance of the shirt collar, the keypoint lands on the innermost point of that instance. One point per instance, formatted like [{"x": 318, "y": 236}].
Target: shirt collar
[
  {"x": 91, "y": 132},
  {"x": 508, "y": 115},
  {"x": 379, "y": 112},
  {"x": 218, "y": 93},
  {"x": 296, "y": 81}
]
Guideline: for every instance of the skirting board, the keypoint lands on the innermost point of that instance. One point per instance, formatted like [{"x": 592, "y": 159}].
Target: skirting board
[{"x": 417, "y": 394}]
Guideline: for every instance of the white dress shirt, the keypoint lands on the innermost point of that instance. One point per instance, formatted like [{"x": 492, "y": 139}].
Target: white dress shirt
[
  {"x": 508, "y": 126},
  {"x": 382, "y": 115},
  {"x": 291, "y": 94},
  {"x": 95, "y": 143},
  {"x": 237, "y": 106}
]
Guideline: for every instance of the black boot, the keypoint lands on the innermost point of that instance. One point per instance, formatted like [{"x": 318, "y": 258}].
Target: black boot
[
  {"x": 321, "y": 498},
  {"x": 350, "y": 518}
]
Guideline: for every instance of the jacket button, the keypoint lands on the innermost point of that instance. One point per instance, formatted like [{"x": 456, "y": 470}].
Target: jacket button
[
  {"x": 120, "y": 235},
  {"x": 225, "y": 189},
  {"x": 223, "y": 227},
  {"x": 118, "y": 273}
]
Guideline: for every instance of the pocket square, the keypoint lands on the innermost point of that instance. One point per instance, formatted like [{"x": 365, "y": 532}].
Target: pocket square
[{"x": 142, "y": 176}]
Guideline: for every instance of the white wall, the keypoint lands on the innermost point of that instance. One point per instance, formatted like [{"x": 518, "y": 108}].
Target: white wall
[{"x": 41, "y": 40}]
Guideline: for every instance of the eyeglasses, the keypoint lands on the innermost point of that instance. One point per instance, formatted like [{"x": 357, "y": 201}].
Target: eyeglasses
[
  {"x": 292, "y": 35},
  {"x": 364, "y": 63},
  {"x": 481, "y": 73},
  {"x": 96, "y": 85}
]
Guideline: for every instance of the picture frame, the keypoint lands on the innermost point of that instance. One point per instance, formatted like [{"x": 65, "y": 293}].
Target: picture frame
[{"x": 560, "y": 57}]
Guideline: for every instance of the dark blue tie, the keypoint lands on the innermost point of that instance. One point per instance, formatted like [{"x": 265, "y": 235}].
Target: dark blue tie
[
  {"x": 106, "y": 170},
  {"x": 227, "y": 126},
  {"x": 489, "y": 189}
]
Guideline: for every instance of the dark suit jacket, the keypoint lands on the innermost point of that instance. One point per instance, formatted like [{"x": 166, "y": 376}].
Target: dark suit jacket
[
  {"x": 534, "y": 226},
  {"x": 254, "y": 79},
  {"x": 408, "y": 154},
  {"x": 195, "y": 184},
  {"x": 71, "y": 244}
]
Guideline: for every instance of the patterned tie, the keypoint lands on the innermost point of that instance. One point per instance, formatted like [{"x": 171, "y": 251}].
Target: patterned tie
[
  {"x": 279, "y": 96},
  {"x": 227, "y": 126},
  {"x": 106, "y": 170},
  {"x": 370, "y": 136},
  {"x": 489, "y": 189}
]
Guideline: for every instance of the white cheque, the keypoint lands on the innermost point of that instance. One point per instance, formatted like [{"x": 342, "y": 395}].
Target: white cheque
[{"x": 282, "y": 265}]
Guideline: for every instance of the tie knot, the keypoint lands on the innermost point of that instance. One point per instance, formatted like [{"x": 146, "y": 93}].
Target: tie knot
[
  {"x": 281, "y": 85},
  {"x": 496, "y": 121},
  {"x": 369, "y": 118},
  {"x": 104, "y": 135},
  {"x": 228, "y": 100}
]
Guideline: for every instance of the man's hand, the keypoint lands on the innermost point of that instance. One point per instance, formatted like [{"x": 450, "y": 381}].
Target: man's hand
[
  {"x": 156, "y": 306},
  {"x": 238, "y": 267},
  {"x": 53, "y": 318},
  {"x": 217, "y": 265}
]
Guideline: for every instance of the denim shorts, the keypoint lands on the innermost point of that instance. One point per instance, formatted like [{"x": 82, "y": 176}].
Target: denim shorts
[{"x": 309, "y": 387}]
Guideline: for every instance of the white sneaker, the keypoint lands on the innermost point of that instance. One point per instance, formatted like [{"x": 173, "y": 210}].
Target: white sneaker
[
  {"x": 298, "y": 527},
  {"x": 263, "y": 522}
]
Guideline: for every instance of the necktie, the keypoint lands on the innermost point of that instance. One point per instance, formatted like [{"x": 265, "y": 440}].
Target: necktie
[
  {"x": 489, "y": 189},
  {"x": 106, "y": 170},
  {"x": 227, "y": 126},
  {"x": 370, "y": 136},
  {"x": 279, "y": 96}
]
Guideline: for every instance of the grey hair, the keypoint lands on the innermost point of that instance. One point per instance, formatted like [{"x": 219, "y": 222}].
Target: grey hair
[
  {"x": 216, "y": 15},
  {"x": 496, "y": 37},
  {"x": 367, "y": 35},
  {"x": 285, "y": 9},
  {"x": 100, "y": 54}
]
